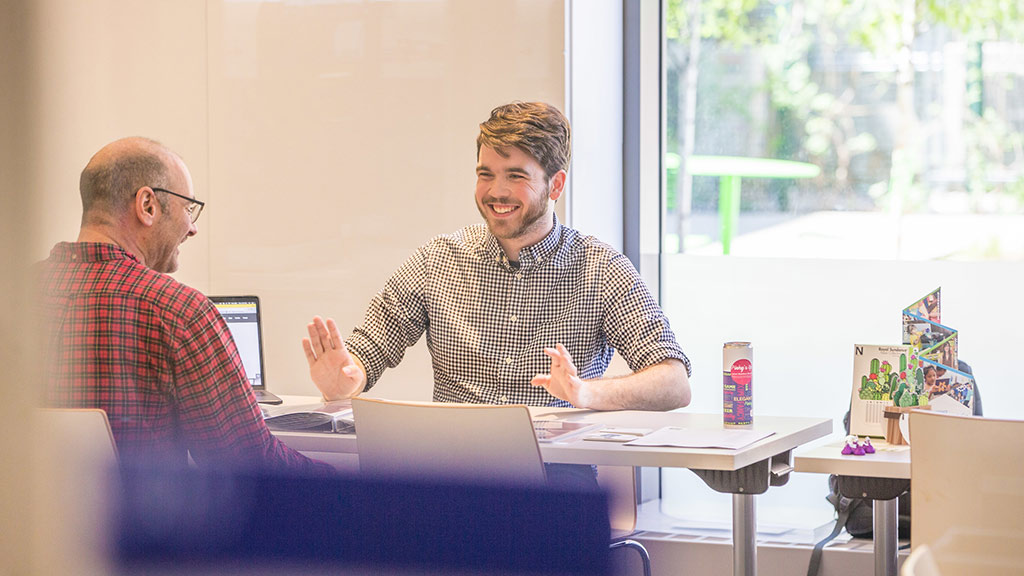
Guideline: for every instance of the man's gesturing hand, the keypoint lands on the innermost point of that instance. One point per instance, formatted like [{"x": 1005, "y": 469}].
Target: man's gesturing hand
[
  {"x": 563, "y": 382},
  {"x": 335, "y": 372}
]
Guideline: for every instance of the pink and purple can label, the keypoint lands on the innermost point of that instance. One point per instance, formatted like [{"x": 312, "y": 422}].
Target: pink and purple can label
[{"x": 737, "y": 384}]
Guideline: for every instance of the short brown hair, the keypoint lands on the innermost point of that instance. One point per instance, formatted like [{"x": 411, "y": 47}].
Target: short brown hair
[{"x": 538, "y": 129}]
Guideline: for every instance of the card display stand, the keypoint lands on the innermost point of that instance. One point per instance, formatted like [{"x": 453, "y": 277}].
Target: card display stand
[{"x": 893, "y": 434}]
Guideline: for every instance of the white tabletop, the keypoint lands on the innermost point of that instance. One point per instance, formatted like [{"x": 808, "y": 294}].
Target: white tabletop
[
  {"x": 789, "y": 432},
  {"x": 887, "y": 462}
]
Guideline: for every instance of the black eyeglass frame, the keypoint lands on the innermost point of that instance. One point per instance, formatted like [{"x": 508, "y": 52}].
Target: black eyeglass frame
[{"x": 200, "y": 203}]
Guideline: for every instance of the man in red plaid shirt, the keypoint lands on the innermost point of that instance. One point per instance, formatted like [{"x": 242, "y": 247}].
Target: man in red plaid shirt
[{"x": 125, "y": 337}]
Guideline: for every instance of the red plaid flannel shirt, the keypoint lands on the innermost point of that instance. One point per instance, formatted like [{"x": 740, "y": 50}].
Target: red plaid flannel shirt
[{"x": 156, "y": 356}]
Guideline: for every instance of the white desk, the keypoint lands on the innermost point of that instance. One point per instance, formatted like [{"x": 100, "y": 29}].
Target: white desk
[
  {"x": 743, "y": 473},
  {"x": 872, "y": 475}
]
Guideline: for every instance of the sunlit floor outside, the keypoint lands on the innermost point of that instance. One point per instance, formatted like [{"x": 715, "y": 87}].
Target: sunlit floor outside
[{"x": 861, "y": 236}]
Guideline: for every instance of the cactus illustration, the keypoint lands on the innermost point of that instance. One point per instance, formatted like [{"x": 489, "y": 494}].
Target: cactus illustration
[
  {"x": 897, "y": 396},
  {"x": 908, "y": 398}
]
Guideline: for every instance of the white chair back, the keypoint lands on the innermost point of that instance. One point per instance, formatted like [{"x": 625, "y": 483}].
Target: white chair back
[
  {"x": 74, "y": 466},
  {"x": 464, "y": 442},
  {"x": 967, "y": 488},
  {"x": 81, "y": 433}
]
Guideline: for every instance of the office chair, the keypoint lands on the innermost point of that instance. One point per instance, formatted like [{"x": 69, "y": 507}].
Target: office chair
[
  {"x": 74, "y": 466},
  {"x": 967, "y": 486},
  {"x": 473, "y": 442},
  {"x": 80, "y": 433},
  {"x": 619, "y": 482}
]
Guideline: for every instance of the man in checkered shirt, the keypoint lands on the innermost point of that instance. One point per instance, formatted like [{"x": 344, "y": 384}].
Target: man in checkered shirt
[
  {"x": 522, "y": 310},
  {"x": 127, "y": 338}
]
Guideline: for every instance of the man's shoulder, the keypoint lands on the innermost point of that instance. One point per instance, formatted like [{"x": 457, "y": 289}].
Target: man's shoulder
[
  {"x": 468, "y": 239},
  {"x": 161, "y": 291},
  {"x": 591, "y": 248}
]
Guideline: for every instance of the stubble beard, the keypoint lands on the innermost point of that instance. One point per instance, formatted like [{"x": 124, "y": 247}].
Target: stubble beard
[{"x": 528, "y": 222}]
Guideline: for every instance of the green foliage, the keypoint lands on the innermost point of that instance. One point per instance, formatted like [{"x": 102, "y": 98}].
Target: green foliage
[
  {"x": 814, "y": 112},
  {"x": 726, "y": 20},
  {"x": 979, "y": 19}
]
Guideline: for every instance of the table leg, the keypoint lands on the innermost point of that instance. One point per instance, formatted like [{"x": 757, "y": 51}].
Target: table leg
[
  {"x": 744, "y": 535},
  {"x": 728, "y": 209},
  {"x": 886, "y": 536}
]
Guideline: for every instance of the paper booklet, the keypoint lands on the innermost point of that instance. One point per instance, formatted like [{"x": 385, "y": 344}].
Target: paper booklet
[
  {"x": 920, "y": 372},
  {"x": 320, "y": 417},
  {"x": 923, "y": 328},
  {"x": 557, "y": 430}
]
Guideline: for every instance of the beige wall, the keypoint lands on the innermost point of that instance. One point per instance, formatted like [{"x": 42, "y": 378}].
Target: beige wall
[
  {"x": 16, "y": 351},
  {"x": 329, "y": 139}
]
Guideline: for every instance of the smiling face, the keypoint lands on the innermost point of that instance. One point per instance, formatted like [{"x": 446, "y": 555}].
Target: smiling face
[
  {"x": 515, "y": 197},
  {"x": 175, "y": 224}
]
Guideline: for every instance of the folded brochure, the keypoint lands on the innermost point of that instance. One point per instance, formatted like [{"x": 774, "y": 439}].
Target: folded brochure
[{"x": 923, "y": 371}]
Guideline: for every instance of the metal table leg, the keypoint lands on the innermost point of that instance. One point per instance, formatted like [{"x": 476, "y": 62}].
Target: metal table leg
[
  {"x": 744, "y": 535},
  {"x": 886, "y": 536}
]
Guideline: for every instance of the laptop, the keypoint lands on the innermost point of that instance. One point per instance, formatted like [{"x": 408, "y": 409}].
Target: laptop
[{"x": 242, "y": 314}]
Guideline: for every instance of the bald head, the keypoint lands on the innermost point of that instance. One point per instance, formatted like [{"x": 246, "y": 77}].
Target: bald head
[{"x": 115, "y": 173}]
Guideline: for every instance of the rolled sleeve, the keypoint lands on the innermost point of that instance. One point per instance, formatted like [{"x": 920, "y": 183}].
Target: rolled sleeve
[{"x": 634, "y": 323}]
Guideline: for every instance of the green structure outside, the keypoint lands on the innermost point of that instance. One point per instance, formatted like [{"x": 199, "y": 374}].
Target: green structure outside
[{"x": 730, "y": 170}]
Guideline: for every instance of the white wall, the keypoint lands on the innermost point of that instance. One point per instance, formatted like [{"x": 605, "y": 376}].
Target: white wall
[
  {"x": 595, "y": 108},
  {"x": 329, "y": 139}
]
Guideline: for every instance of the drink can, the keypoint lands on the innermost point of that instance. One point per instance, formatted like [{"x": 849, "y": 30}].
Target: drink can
[{"x": 737, "y": 384}]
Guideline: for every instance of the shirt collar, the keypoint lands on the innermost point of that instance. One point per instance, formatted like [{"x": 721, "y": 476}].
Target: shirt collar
[
  {"x": 529, "y": 256},
  {"x": 89, "y": 252}
]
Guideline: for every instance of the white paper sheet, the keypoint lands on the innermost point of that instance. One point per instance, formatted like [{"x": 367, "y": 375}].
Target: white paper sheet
[{"x": 700, "y": 438}]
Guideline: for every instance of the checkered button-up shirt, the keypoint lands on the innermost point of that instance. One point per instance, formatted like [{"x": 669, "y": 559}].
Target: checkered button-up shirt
[
  {"x": 156, "y": 356},
  {"x": 487, "y": 320}
]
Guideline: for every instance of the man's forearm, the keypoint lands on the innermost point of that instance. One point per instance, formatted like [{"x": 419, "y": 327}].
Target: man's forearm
[{"x": 663, "y": 386}]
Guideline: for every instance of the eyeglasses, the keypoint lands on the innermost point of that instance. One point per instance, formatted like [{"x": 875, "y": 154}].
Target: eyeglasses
[{"x": 194, "y": 209}]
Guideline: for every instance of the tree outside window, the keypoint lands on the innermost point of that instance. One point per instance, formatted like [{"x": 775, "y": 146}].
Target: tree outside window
[{"x": 913, "y": 110}]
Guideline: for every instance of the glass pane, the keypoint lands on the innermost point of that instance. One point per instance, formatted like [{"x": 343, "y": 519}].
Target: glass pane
[
  {"x": 849, "y": 156},
  {"x": 903, "y": 122}
]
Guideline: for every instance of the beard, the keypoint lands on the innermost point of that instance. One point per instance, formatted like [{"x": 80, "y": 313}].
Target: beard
[{"x": 527, "y": 219}]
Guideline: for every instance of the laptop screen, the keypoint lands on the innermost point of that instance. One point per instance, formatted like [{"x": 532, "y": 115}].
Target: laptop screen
[{"x": 242, "y": 314}]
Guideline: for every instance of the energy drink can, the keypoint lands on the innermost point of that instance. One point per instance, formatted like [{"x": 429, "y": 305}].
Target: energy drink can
[{"x": 737, "y": 384}]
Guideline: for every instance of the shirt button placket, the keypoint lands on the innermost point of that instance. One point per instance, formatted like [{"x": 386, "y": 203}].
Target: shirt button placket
[{"x": 512, "y": 343}]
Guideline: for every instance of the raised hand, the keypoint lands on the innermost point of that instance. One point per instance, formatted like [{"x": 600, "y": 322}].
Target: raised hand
[
  {"x": 563, "y": 382},
  {"x": 335, "y": 372}
]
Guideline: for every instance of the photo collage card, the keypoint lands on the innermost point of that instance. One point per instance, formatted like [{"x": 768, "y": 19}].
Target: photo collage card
[{"x": 937, "y": 345}]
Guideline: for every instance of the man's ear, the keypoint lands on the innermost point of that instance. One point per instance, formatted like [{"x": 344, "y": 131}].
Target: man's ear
[
  {"x": 145, "y": 206},
  {"x": 557, "y": 185}
]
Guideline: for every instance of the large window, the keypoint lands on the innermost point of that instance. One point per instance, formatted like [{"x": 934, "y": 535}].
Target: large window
[
  {"x": 909, "y": 113},
  {"x": 827, "y": 163}
]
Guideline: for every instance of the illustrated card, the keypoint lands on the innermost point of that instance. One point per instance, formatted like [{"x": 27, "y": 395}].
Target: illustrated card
[{"x": 879, "y": 372}]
